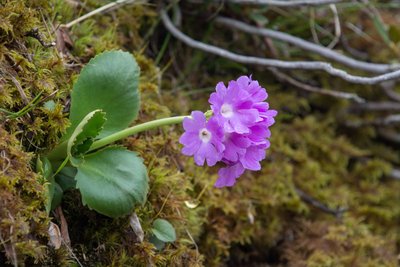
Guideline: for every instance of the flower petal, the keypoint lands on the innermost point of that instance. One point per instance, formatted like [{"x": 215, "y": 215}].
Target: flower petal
[{"x": 228, "y": 175}]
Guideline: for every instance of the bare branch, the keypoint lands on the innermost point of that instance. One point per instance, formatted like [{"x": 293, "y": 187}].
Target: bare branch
[
  {"x": 376, "y": 106},
  {"x": 286, "y": 78},
  {"x": 338, "y": 28},
  {"x": 395, "y": 174},
  {"x": 392, "y": 94},
  {"x": 388, "y": 90},
  {"x": 306, "y": 87},
  {"x": 320, "y": 50},
  {"x": 389, "y": 120},
  {"x": 305, "y": 65},
  {"x": 386, "y": 121},
  {"x": 352, "y": 51},
  {"x": 338, "y": 213},
  {"x": 390, "y": 135},
  {"x": 280, "y": 3}
]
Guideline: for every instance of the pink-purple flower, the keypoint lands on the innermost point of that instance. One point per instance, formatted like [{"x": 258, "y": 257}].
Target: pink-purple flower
[
  {"x": 202, "y": 139},
  {"x": 236, "y": 134},
  {"x": 233, "y": 107}
]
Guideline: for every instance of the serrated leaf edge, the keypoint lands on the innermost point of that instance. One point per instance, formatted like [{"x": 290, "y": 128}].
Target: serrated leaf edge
[{"x": 78, "y": 130}]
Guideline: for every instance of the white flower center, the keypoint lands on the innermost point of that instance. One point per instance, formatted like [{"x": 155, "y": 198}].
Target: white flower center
[
  {"x": 226, "y": 110},
  {"x": 204, "y": 135}
]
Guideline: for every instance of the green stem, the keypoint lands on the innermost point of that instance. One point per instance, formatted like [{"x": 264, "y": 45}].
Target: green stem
[
  {"x": 136, "y": 129},
  {"x": 59, "y": 153},
  {"x": 163, "y": 48}
]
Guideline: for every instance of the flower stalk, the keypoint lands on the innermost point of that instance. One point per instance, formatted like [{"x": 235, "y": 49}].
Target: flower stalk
[
  {"x": 136, "y": 129},
  {"x": 60, "y": 152}
]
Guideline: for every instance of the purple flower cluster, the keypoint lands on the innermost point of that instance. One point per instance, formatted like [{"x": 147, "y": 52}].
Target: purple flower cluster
[{"x": 236, "y": 134}]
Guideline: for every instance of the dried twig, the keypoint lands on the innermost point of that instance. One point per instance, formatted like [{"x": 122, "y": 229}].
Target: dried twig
[
  {"x": 338, "y": 29},
  {"x": 20, "y": 90},
  {"x": 64, "y": 233},
  {"x": 280, "y": 3},
  {"x": 188, "y": 233},
  {"x": 338, "y": 213},
  {"x": 163, "y": 205},
  {"x": 389, "y": 120},
  {"x": 97, "y": 11},
  {"x": 352, "y": 51},
  {"x": 10, "y": 252},
  {"x": 376, "y": 106},
  {"x": 359, "y": 32},
  {"x": 386, "y": 121},
  {"x": 6, "y": 166},
  {"x": 71, "y": 252},
  {"x": 318, "y": 49},
  {"x": 11, "y": 248},
  {"x": 305, "y": 65},
  {"x": 395, "y": 174},
  {"x": 388, "y": 90},
  {"x": 286, "y": 78},
  {"x": 64, "y": 225},
  {"x": 390, "y": 135}
]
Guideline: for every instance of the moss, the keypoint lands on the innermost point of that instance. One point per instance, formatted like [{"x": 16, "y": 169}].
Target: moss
[
  {"x": 30, "y": 70},
  {"x": 347, "y": 243},
  {"x": 262, "y": 220},
  {"x": 318, "y": 162},
  {"x": 23, "y": 221},
  {"x": 114, "y": 243}
]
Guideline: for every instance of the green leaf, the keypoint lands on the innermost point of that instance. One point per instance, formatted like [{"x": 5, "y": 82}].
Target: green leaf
[
  {"x": 112, "y": 181},
  {"x": 108, "y": 82},
  {"x": 49, "y": 105},
  {"x": 84, "y": 134},
  {"x": 259, "y": 19},
  {"x": 64, "y": 181},
  {"x": 65, "y": 178},
  {"x": 381, "y": 27},
  {"x": 163, "y": 230},
  {"x": 43, "y": 166},
  {"x": 157, "y": 242},
  {"x": 57, "y": 197}
]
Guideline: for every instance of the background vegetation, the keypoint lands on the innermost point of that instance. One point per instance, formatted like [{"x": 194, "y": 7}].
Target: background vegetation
[{"x": 328, "y": 193}]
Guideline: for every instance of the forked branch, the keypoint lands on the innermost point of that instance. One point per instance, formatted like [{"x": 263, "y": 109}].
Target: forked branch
[{"x": 304, "y": 65}]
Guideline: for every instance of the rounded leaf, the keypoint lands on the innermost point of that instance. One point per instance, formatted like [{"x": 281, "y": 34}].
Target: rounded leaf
[
  {"x": 66, "y": 178},
  {"x": 108, "y": 82},
  {"x": 157, "y": 242},
  {"x": 112, "y": 181},
  {"x": 57, "y": 197},
  {"x": 163, "y": 230}
]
